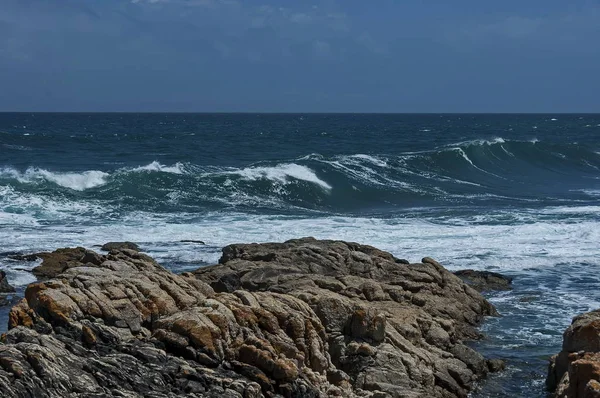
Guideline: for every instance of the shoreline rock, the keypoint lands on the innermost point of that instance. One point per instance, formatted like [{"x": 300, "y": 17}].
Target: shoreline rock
[
  {"x": 484, "y": 281},
  {"x": 120, "y": 246},
  {"x": 5, "y": 287},
  {"x": 306, "y": 318},
  {"x": 575, "y": 371}
]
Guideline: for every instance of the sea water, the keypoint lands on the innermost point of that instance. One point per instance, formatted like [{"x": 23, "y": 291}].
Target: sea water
[{"x": 516, "y": 194}]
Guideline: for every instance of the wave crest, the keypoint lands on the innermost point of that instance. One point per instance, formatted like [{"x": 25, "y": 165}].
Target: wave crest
[
  {"x": 76, "y": 181},
  {"x": 282, "y": 174}
]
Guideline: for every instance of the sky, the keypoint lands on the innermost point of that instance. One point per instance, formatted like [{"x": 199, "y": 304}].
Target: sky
[{"x": 300, "y": 56}]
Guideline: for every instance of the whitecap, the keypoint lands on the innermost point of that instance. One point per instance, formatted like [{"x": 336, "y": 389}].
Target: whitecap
[
  {"x": 370, "y": 159},
  {"x": 177, "y": 168},
  {"x": 75, "y": 181},
  {"x": 281, "y": 174},
  {"x": 478, "y": 142}
]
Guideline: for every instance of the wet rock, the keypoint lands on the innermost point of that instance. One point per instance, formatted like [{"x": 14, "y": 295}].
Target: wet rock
[
  {"x": 304, "y": 318},
  {"x": 5, "y": 287},
  {"x": 23, "y": 257},
  {"x": 199, "y": 242},
  {"x": 483, "y": 281},
  {"x": 120, "y": 246},
  {"x": 496, "y": 365}
]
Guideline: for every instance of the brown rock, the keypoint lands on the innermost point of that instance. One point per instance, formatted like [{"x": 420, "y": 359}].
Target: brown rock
[
  {"x": 575, "y": 371},
  {"x": 60, "y": 260},
  {"x": 304, "y": 318}
]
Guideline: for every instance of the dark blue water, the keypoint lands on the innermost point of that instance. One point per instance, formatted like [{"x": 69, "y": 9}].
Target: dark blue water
[{"x": 519, "y": 194}]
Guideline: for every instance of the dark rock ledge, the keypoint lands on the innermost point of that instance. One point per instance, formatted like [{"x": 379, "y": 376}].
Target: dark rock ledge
[
  {"x": 485, "y": 281},
  {"x": 305, "y": 318}
]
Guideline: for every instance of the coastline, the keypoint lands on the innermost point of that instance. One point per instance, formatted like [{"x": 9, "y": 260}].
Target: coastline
[{"x": 306, "y": 316}]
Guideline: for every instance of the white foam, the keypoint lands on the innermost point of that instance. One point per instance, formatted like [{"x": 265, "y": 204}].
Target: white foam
[
  {"x": 479, "y": 142},
  {"x": 19, "y": 208},
  {"x": 177, "y": 168},
  {"x": 281, "y": 173},
  {"x": 591, "y": 192},
  {"x": 76, "y": 181}
]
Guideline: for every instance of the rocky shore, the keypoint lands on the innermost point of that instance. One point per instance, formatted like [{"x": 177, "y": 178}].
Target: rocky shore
[
  {"x": 575, "y": 371},
  {"x": 304, "y": 318}
]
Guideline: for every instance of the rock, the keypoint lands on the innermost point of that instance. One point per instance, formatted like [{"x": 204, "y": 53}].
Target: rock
[
  {"x": 483, "y": 281},
  {"x": 413, "y": 313},
  {"x": 575, "y": 371},
  {"x": 496, "y": 365},
  {"x": 120, "y": 246},
  {"x": 23, "y": 257},
  {"x": 199, "y": 242},
  {"x": 5, "y": 287},
  {"x": 60, "y": 260},
  {"x": 304, "y": 318}
]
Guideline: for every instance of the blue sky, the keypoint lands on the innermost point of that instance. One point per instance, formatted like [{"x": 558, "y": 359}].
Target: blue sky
[{"x": 300, "y": 56}]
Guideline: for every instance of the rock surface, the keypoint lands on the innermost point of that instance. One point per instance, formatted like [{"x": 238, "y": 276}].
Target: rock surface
[
  {"x": 575, "y": 371},
  {"x": 60, "y": 260},
  {"x": 484, "y": 281},
  {"x": 304, "y": 318},
  {"x": 120, "y": 245},
  {"x": 5, "y": 287}
]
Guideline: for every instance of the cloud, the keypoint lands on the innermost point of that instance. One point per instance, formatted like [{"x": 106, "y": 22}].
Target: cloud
[
  {"x": 560, "y": 28},
  {"x": 301, "y": 18},
  {"x": 322, "y": 49}
]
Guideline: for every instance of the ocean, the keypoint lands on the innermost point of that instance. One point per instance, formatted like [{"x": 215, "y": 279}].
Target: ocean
[{"x": 515, "y": 194}]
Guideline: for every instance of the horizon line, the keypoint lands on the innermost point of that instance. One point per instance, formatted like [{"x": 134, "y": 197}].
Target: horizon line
[{"x": 301, "y": 113}]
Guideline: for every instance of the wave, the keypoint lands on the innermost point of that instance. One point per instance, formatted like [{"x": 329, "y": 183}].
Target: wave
[
  {"x": 486, "y": 171},
  {"x": 177, "y": 168},
  {"x": 282, "y": 173},
  {"x": 72, "y": 180}
]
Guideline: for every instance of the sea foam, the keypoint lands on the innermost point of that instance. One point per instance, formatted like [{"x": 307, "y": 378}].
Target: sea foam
[{"x": 76, "y": 181}]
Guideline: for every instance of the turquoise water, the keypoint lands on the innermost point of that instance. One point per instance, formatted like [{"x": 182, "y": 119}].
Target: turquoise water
[{"x": 518, "y": 194}]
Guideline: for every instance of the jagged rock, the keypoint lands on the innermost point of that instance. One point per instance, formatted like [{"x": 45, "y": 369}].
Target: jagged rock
[
  {"x": 120, "y": 246},
  {"x": 575, "y": 371},
  {"x": 411, "y": 312},
  {"x": 5, "y": 287},
  {"x": 308, "y": 319},
  {"x": 483, "y": 281}
]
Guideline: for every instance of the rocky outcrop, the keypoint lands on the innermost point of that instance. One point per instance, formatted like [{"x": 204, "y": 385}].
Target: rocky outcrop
[
  {"x": 58, "y": 261},
  {"x": 120, "y": 245},
  {"x": 6, "y": 290},
  {"x": 575, "y": 371},
  {"x": 484, "y": 281},
  {"x": 305, "y": 318},
  {"x": 5, "y": 287}
]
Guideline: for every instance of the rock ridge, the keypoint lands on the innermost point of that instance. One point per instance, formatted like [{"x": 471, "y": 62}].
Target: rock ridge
[{"x": 304, "y": 318}]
